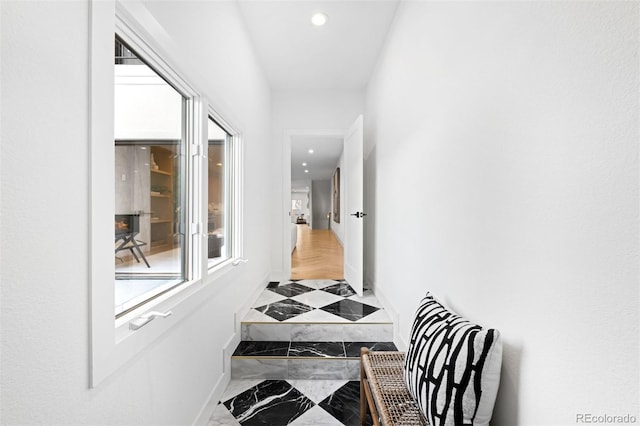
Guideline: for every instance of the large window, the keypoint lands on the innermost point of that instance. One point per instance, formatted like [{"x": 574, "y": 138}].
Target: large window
[
  {"x": 165, "y": 181},
  {"x": 150, "y": 170}
]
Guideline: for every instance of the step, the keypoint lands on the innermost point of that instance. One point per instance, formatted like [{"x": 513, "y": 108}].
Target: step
[
  {"x": 318, "y": 332},
  {"x": 318, "y": 360},
  {"x": 316, "y": 310}
]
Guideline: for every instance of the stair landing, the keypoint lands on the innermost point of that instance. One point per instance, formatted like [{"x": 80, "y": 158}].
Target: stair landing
[{"x": 310, "y": 329}]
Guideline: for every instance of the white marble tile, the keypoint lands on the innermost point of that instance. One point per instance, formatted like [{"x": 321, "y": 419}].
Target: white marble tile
[
  {"x": 256, "y": 316},
  {"x": 317, "y": 369},
  {"x": 355, "y": 332},
  {"x": 237, "y": 386},
  {"x": 316, "y": 416},
  {"x": 317, "y": 315},
  {"x": 276, "y": 331},
  {"x": 317, "y": 390},
  {"x": 222, "y": 417},
  {"x": 267, "y": 297},
  {"x": 352, "y": 369},
  {"x": 317, "y": 298},
  {"x": 259, "y": 368},
  {"x": 316, "y": 332}
]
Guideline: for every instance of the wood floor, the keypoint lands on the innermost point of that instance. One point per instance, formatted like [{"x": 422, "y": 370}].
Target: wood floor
[{"x": 318, "y": 255}]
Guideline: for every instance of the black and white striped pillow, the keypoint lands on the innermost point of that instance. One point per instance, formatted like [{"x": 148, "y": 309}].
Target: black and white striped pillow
[{"x": 452, "y": 366}]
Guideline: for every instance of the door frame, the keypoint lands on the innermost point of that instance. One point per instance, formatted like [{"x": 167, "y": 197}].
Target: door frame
[{"x": 286, "y": 186}]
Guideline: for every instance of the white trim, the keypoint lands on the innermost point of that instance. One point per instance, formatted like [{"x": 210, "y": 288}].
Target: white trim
[{"x": 101, "y": 152}]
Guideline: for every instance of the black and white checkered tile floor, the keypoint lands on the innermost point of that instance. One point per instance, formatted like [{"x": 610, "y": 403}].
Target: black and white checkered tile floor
[
  {"x": 289, "y": 402},
  {"x": 326, "y": 301}
]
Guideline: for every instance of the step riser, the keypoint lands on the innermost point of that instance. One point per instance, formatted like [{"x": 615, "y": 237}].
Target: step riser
[
  {"x": 283, "y": 369},
  {"x": 318, "y": 332}
]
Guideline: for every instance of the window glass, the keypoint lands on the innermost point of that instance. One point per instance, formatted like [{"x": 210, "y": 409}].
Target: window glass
[
  {"x": 149, "y": 217},
  {"x": 218, "y": 200}
]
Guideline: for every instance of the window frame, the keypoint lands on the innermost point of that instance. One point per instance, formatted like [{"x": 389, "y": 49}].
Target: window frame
[
  {"x": 233, "y": 192},
  {"x": 112, "y": 341}
]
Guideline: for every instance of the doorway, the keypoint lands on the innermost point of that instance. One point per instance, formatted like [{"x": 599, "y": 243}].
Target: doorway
[{"x": 314, "y": 249}]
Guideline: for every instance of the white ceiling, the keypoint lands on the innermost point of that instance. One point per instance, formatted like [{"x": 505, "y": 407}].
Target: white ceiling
[
  {"x": 298, "y": 55},
  {"x": 321, "y": 164}
]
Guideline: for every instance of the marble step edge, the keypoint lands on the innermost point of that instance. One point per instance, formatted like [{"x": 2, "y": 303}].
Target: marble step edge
[
  {"x": 289, "y": 369},
  {"x": 307, "y": 350},
  {"x": 350, "y": 323},
  {"x": 297, "y": 358},
  {"x": 318, "y": 332}
]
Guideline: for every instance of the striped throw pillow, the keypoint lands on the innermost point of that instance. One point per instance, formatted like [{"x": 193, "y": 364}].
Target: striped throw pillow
[{"x": 452, "y": 366}]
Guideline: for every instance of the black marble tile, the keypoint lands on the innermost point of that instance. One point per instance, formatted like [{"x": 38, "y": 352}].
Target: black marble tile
[
  {"x": 350, "y": 309},
  {"x": 292, "y": 289},
  {"x": 273, "y": 284},
  {"x": 261, "y": 348},
  {"x": 284, "y": 309},
  {"x": 271, "y": 402},
  {"x": 353, "y": 348},
  {"x": 344, "y": 404},
  {"x": 340, "y": 289},
  {"x": 317, "y": 349}
]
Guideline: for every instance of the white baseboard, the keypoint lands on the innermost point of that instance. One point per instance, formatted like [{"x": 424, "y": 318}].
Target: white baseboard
[
  {"x": 244, "y": 308},
  {"x": 397, "y": 339},
  {"x": 212, "y": 402}
]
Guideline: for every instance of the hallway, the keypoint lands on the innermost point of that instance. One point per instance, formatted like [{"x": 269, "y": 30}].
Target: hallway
[
  {"x": 500, "y": 169},
  {"x": 318, "y": 255}
]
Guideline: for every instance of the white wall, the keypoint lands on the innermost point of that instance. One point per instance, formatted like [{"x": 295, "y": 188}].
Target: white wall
[
  {"x": 302, "y": 110},
  {"x": 517, "y": 125},
  {"x": 44, "y": 164}
]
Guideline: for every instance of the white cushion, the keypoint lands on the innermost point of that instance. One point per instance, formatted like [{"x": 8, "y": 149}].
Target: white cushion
[{"x": 452, "y": 366}]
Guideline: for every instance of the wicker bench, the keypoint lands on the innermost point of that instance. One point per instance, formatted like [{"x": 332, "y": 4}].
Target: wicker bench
[{"x": 383, "y": 390}]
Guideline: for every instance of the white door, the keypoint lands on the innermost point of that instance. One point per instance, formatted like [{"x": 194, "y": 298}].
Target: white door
[{"x": 354, "y": 214}]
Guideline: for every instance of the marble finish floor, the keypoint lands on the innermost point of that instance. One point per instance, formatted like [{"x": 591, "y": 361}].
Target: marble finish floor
[
  {"x": 315, "y": 301},
  {"x": 317, "y": 327},
  {"x": 289, "y": 402}
]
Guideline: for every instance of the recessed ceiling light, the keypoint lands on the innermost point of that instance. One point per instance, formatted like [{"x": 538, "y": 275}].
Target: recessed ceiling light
[
  {"x": 310, "y": 151},
  {"x": 306, "y": 171},
  {"x": 304, "y": 164},
  {"x": 319, "y": 19}
]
